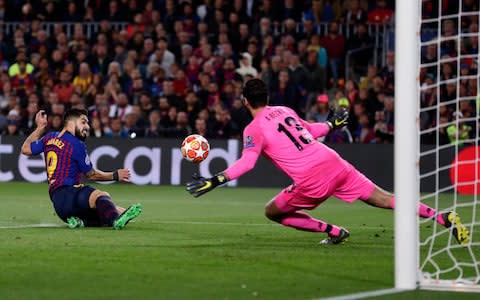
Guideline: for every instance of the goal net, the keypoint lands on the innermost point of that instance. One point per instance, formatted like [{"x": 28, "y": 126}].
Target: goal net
[{"x": 448, "y": 152}]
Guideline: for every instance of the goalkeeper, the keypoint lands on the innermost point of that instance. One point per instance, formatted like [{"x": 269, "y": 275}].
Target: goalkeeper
[{"x": 317, "y": 171}]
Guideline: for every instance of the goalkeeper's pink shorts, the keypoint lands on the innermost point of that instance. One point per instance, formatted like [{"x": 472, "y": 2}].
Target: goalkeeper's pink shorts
[{"x": 349, "y": 185}]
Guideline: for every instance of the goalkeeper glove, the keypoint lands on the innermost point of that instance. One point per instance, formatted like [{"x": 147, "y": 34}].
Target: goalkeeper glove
[
  {"x": 337, "y": 119},
  {"x": 201, "y": 185}
]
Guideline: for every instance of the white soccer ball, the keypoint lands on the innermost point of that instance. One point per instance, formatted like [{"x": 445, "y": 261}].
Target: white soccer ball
[{"x": 195, "y": 148}]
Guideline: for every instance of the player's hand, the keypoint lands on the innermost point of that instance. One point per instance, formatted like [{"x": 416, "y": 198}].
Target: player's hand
[
  {"x": 41, "y": 119},
  {"x": 201, "y": 185},
  {"x": 337, "y": 119},
  {"x": 123, "y": 175}
]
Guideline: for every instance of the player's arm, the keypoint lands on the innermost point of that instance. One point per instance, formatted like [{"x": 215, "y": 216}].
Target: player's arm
[
  {"x": 253, "y": 145},
  {"x": 118, "y": 175},
  {"x": 86, "y": 167},
  {"x": 33, "y": 139}
]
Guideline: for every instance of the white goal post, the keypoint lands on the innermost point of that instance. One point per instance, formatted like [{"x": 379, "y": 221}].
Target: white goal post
[
  {"x": 406, "y": 145},
  {"x": 426, "y": 255}
]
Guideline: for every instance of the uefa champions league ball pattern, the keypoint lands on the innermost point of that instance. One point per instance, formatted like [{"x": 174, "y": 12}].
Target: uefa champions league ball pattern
[{"x": 195, "y": 148}]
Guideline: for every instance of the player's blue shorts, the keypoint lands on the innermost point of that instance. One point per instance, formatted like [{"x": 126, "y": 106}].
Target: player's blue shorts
[{"x": 72, "y": 201}]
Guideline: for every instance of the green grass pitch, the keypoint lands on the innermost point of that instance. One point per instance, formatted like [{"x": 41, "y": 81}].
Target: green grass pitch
[{"x": 219, "y": 246}]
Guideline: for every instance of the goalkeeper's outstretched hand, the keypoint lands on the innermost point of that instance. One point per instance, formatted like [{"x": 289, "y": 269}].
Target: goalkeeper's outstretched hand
[
  {"x": 337, "y": 119},
  {"x": 201, "y": 185}
]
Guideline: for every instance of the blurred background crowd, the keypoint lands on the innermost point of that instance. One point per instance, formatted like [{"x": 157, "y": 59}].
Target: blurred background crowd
[{"x": 169, "y": 68}]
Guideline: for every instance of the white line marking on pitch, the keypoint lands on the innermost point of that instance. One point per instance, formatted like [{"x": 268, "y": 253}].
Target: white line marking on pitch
[
  {"x": 41, "y": 225},
  {"x": 242, "y": 224},
  {"x": 365, "y": 294}
]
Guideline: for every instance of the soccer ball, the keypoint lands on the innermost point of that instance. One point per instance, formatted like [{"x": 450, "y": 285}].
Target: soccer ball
[{"x": 195, "y": 148}]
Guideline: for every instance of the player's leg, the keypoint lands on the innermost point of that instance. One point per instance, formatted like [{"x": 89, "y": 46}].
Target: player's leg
[
  {"x": 64, "y": 203},
  {"x": 383, "y": 199},
  {"x": 283, "y": 209},
  {"x": 102, "y": 203},
  {"x": 112, "y": 215},
  {"x": 357, "y": 186}
]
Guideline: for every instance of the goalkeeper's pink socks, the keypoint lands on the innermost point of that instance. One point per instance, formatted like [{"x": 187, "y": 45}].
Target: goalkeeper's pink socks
[
  {"x": 303, "y": 221},
  {"x": 424, "y": 211}
]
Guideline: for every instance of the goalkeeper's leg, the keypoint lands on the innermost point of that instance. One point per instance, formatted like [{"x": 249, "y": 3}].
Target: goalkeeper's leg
[
  {"x": 383, "y": 199},
  {"x": 283, "y": 209}
]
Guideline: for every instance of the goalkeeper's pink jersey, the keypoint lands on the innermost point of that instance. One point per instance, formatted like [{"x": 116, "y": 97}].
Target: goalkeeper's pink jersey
[{"x": 289, "y": 142}]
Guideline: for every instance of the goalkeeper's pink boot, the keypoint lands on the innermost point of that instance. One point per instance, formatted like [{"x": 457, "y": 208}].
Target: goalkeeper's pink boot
[
  {"x": 333, "y": 240},
  {"x": 459, "y": 231}
]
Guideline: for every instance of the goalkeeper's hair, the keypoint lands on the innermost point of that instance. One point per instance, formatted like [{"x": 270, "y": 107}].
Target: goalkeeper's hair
[
  {"x": 256, "y": 92},
  {"x": 74, "y": 113}
]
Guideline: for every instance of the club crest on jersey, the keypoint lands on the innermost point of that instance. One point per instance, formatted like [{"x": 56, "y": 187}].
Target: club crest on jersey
[
  {"x": 249, "y": 142},
  {"x": 87, "y": 160}
]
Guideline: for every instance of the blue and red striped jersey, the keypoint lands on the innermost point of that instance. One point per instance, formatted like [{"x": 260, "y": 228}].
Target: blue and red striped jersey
[{"x": 66, "y": 158}]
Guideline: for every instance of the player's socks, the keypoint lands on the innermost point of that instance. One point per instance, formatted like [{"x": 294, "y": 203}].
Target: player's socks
[
  {"x": 303, "y": 221},
  {"x": 107, "y": 211},
  {"x": 442, "y": 219},
  {"x": 426, "y": 211}
]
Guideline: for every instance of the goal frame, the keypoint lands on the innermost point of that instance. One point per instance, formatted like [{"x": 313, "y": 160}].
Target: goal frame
[
  {"x": 406, "y": 182},
  {"x": 406, "y": 155}
]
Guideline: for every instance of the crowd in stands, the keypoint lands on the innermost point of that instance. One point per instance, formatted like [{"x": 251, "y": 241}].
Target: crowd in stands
[
  {"x": 449, "y": 72},
  {"x": 178, "y": 67}
]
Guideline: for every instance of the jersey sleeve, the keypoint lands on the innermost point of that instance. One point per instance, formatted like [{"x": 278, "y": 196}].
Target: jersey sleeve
[
  {"x": 37, "y": 146},
  {"x": 82, "y": 158},
  {"x": 316, "y": 129},
  {"x": 252, "y": 148}
]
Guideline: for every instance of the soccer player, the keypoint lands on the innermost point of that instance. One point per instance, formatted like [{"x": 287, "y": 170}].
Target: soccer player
[
  {"x": 66, "y": 158},
  {"x": 317, "y": 171}
]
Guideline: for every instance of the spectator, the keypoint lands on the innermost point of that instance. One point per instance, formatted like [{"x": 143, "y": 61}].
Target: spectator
[
  {"x": 201, "y": 128},
  {"x": 82, "y": 81},
  {"x": 116, "y": 129},
  {"x": 184, "y": 54},
  {"x": 459, "y": 131},
  {"x": 121, "y": 108},
  {"x": 222, "y": 128},
  {"x": 334, "y": 43},
  {"x": 388, "y": 72},
  {"x": 96, "y": 130},
  {"x": 299, "y": 74},
  {"x": 131, "y": 125},
  {"x": 286, "y": 93},
  {"x": 23, "y": 82},
  {"x": 14, "y": 69},
  {"x": 354, "y": 14},
  {"x": 381, "y": 14},
  {"x": 319, "y": 112},
  {"x": 163, "y": 56},
  {"x": 153, "y": 124},
  {"x": 64, "y": 88},
  {"x": 246, "y": 67}
]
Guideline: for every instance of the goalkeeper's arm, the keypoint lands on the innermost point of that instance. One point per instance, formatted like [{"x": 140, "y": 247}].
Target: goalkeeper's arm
[{"x": 201, "y": 185}]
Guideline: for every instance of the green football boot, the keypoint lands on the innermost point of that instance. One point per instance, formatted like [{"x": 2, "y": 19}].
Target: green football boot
[
  {"x": 75, "y": 222},
  {"x": 129, "y": 214}
]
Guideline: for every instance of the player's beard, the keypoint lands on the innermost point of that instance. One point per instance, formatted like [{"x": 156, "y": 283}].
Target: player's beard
[{"x": 79, "y": 134}]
